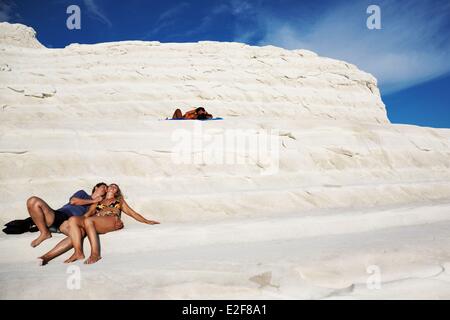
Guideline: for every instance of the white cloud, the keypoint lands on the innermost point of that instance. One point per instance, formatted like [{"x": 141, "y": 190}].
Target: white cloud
[
  {"x": 412, "y": 47},
  {"x": 95, "y": 11}
]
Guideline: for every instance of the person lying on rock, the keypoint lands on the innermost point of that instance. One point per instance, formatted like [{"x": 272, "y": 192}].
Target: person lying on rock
[
  {"x": 195, "y": 114},
  {"x": 45, "y": 217},
  {"x": 101, "y": 218}
]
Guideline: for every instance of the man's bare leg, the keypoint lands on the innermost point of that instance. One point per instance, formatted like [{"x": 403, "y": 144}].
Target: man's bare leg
[
  {"x": 62, "y": 247},
  {"x": 43, "y": 216},
  {"x": 64, "y": 227}
]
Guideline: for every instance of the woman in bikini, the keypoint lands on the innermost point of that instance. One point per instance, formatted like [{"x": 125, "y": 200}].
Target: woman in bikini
[
  {"x": 101, "y": 218},
  {"x": 196, "y": 114}
]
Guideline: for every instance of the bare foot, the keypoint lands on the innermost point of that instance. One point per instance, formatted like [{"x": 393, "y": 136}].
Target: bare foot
[
  {"x": 42, "y": 261},
  {"x": 92, "y": 259},
  {"x": 76, "y": 256},
  {"x": 42, "y": 237}
]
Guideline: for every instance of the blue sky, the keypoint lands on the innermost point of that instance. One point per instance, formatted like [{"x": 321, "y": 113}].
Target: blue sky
[{"x": 409, "y": 55}]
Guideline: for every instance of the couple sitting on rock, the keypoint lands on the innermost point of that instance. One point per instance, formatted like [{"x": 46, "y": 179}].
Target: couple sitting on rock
[
  {"x": 84, "y": 215},
  {"x": 196, "y": 114}
]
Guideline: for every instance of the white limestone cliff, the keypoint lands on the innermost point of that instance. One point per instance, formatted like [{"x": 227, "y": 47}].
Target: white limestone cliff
[{"x": 75, "y": 116}]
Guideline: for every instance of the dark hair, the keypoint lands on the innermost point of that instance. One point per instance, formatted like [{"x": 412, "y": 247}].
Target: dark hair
[
  {"x": 98, "y": 185},
  {"x": 200, "y": 108},
  {"x": 202, "y": 117}
]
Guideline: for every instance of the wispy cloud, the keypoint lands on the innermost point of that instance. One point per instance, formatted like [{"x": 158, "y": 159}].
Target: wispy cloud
[
  {"x": 246, "y": 16},
  {"x": 172, "y": 12},
  {"x": 205, "y": 22},
  {"x": 6, "y": 11},
  {"x": 96, "y": 12},
  {"x": 412, "y": 47},
  {"x": 240, "y": 7},
  {"x": 167, "y": 18},
  {"x": 233, "y": 8},
  {"x": 220, "y": 8},
  {"x": 237, "y": 8}
]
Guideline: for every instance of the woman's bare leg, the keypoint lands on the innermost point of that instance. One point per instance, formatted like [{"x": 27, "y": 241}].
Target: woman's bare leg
[
  {"x": 76, "y": 224},
  {"x": 95, "y": 226},
  {"x": 177, "y": 114},
  {"x": 93, "y": 240}
]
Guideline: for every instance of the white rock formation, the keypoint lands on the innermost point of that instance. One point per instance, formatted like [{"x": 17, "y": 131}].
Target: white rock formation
[
  {"x": 72, "y": 117},
  {"x": 85, "y": 113},
  {"x": 18, "y": 35}
]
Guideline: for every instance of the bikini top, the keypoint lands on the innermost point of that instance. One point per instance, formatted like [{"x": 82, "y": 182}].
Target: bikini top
[{"x": 100, "y": 208}]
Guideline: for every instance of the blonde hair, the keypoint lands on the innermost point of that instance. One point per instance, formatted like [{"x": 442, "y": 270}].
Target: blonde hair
[{"x": 118, "y": 196}]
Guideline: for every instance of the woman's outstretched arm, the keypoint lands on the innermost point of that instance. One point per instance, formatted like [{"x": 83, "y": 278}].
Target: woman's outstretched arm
[{"x": 126, "y": 208}]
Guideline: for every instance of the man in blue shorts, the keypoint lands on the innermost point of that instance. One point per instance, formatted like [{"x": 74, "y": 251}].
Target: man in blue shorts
[{"x": 45, "y": 217}]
